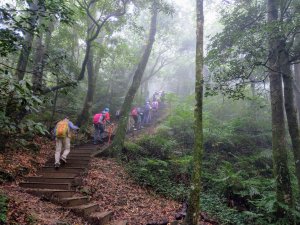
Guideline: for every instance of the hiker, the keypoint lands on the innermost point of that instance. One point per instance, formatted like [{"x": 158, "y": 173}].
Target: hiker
[
  {"x": 118, "y": 112},
  {"x": 98, "y": 121},
  {"x": 140, "y": 111},
  {"x": 155, "y": 96},
  {"x": 107, "y": 115},
  {"x": 155, "y": 106},
  {"x": 63, "y": 131},
  {"x": 134, "y": 114},
  {"x": 147, "y": 116}
]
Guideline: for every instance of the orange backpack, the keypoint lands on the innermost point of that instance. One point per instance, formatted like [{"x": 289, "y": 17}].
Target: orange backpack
[{"x": 62, "y": 128}]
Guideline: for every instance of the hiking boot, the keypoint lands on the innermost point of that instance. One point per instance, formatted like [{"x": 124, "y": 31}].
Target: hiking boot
[
  {"x": 56, "y": 166},
  {"x": 63, "y": 160}
]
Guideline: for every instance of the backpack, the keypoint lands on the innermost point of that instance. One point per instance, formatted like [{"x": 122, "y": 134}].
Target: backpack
[
  {"x": 147, "y": 107},
  {"x": 62, "y": 128},
  {"x": 134, "y": 112},
  {"x": 98, "y": 118},
  {"x": 155, "y": 105}
]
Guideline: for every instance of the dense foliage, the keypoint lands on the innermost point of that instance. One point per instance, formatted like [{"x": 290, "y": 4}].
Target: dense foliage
[
  {"x": 238, "y": 184},
  {"x": 74, "y": 58}
]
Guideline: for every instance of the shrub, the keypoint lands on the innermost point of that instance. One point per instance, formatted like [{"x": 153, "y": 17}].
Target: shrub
[
  {"x": 216, "y": 207},
  {"x": 132, "y": 151},
  {"x": 157, "y": 146},
  {"x": 3, "y": 208},
  {"x": 156, "y": 174},
  {"x": 181, "y": 169}
]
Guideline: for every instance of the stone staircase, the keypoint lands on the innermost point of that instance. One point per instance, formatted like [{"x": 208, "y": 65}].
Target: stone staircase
[{"x": 58, "y": 186}]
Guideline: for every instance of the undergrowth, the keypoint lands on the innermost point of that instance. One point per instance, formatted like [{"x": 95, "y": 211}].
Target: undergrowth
[
  {"x": 237, "y": 172},
  {"x": 3, "y": 208}
]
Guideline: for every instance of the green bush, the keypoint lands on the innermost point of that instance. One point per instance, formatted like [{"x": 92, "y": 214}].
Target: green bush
[
  {"x": 217, "y": 208},
  {"x": 157, "y": 147},
  {"x": 181, "y": 169},
  {"x": 156, "y": 174},
  {"x": 3, "y": 208},
  {"x": 132, "y": 151}
]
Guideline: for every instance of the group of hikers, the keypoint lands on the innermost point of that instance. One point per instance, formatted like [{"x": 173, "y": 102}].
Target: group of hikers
[{"x": 140, "y": 115}]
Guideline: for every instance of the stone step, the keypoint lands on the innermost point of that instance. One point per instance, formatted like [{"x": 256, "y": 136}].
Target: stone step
[
  {"x": 57, "y": 174},
  {"x": 75, "y": 157},
  {"x": 120, "y": 222},
  {"x": 88, "y": 145},
  {"x": 73, "y": 201},
  {"x": 38, "y": 185},
  {"x": 70, "y": 180},
  {"x": 80, "y": 153},
  {"x": 70, "y": 163},
  {"x": 85, "y": 150},
  {"x": 75, "y": 154},
  {"x": 100, "y": 218},
  {"x": 49, "y": 179},
  {"x": 84, "y": 210},
  {"x": 77, "y": 170},
  {"x": 51, "y": 193}
]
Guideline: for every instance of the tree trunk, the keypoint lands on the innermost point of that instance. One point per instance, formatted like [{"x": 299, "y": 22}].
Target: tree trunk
[
  {"x": 296, "y": 84},
  {"x": 193, "y": 211},
  {"x": 39, "y": 58},
  {"x": 12, "y": 110},
  {"x": 281, "y": 172},
  {"x": 27, "y": 43},
  {"x": 118, "y": 143},
  {"x": 37, "y": 76},
  {"x": 84, "y": 116},
  {"x": 290, "y": 108}
]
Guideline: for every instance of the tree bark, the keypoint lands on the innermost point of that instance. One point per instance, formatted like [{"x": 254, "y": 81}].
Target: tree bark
[
  {"x": 39, "y": 59},
  {"x": 84, "y": 116},
  {"x": 284, "y": 193},
  {"x": 118, "y": 143},
  {"x": 37, "y": 76},
  {"x": 193, "y": 211},
  {"x": 290, "y": 108},
  {"x": 296, "y": 84},
  {"x": 27, "y": 43}
]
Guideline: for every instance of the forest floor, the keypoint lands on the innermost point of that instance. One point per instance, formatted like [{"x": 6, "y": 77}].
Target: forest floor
[{"x": 107, "y": 182}]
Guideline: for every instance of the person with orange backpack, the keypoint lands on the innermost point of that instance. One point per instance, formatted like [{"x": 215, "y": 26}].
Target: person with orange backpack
[
  {"x": 98, "y": 121},
  {"x": 63, "y": 131}
]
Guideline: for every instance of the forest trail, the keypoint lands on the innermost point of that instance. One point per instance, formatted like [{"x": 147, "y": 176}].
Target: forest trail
[
  {"x": 98, "y": 190},
  {"x": 59, "y": 186},
  {"x": 90, "y": 190}
]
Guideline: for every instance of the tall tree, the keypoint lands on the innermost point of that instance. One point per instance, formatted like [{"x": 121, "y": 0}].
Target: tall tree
[
  {"x": 41, "y": 49},
  {"x": 283, "y": 182},
  {"x": 243, "y": 50},
  {"x": 297, "y": 87},
  {"x": 34, "y": 6},
  {"x": 93, "y": 30},
  {"x": 118, "y": 143},
  {"x": 193, "y": 211}
]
